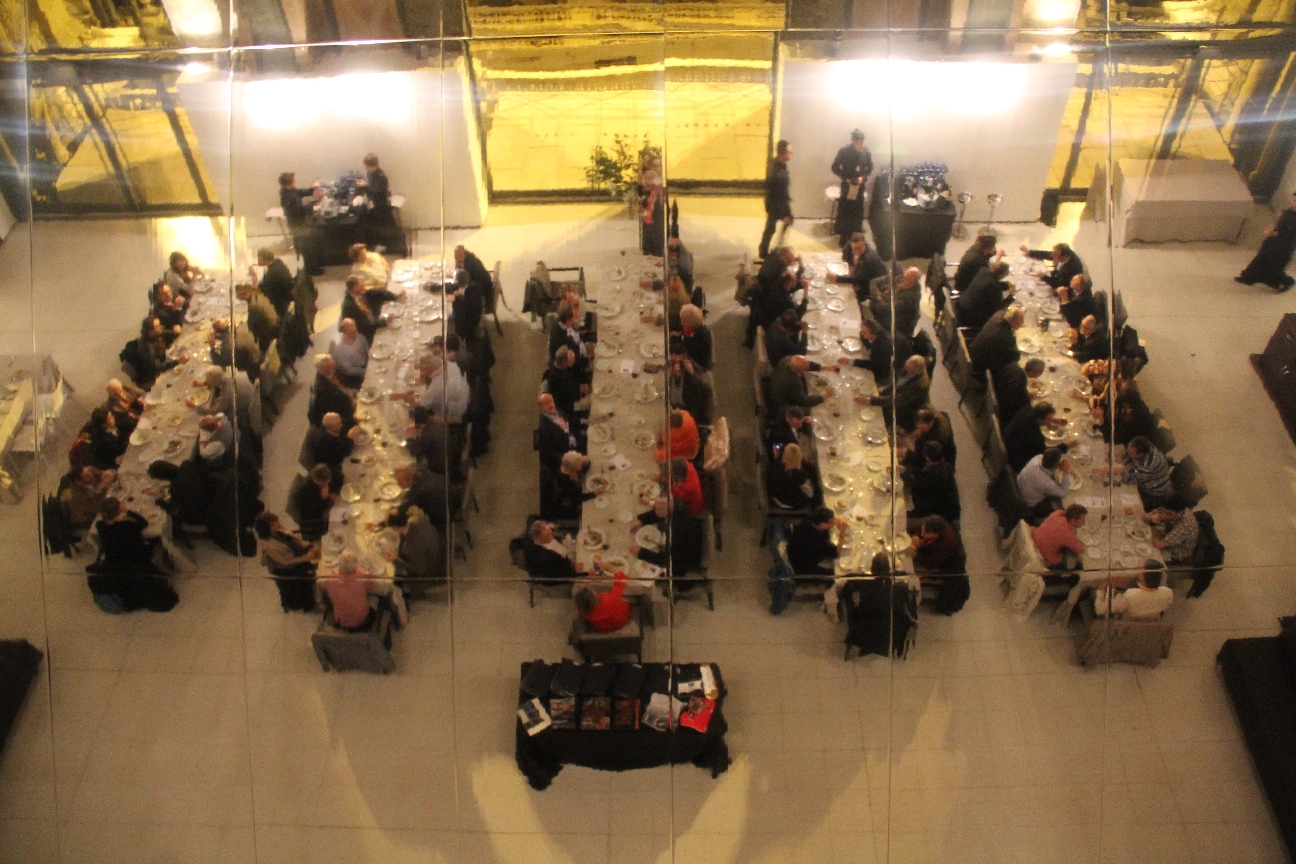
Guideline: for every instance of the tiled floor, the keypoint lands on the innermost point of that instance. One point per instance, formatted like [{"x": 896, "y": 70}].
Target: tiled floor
[{"x": 210, "y": 734}]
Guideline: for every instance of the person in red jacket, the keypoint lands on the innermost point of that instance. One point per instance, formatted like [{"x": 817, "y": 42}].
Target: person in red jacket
[
  {"x": 686, "y": 486},
  {"x": 604, "y": 613}
]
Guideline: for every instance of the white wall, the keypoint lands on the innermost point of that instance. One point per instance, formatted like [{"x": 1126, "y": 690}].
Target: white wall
[
  {"x": 994, "y": 124},
  {"x": 321, "y": 127}
]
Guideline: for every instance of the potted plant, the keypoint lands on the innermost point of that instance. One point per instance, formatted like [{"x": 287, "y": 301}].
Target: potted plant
[{"x": 616, "y": 168}]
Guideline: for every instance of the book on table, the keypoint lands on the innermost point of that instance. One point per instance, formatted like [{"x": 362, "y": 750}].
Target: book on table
[
  {"x": 534, "y": 717},
  {"x": 562, "y": 711},
  {"x": 625, "y": 713},
  {"x": 596, "y": 713}
]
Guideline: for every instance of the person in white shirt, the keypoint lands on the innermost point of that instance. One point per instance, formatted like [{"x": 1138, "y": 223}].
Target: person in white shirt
[
  {"x": 446, "y": 394},
  {"x": 1146, "y": 600},
  {"x": 1038, "y": 482}
]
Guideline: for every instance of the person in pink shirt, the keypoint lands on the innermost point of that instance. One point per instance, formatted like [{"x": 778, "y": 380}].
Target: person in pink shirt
[
  {"x": 1056, "y": 536},
  {"x": 348, "y": 591}
]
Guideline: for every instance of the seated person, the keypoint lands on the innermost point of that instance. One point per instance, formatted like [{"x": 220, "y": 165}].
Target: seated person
[
  {"x": 1076, "y": 300},
  {"x": 548, "y": 561},
  {"x": 933, "y": 488},
  {"x": 684, "y": 442},
  {"x": 1146, "y": 600},
  {"x": 216, "y": 442},
  {"x": 810, "y": 548},
  {"x": 1149, "y": 470},
  {"x": 1090, "y": 341},
  {"x": 689, "y": 390},
  {"x": 677, "y": 297},
  {"x": 788, "y": 386},
  {"x": 348, "y": 592},
  {"x": 1010, "y": 386},
  {"x": 124, "y": 578},
  {"x": 936, "y": 548},
  {"x": 363, "y": 305},
  {"x": 785, "y": 337},
  {"x": 788, "y": 430},
  {"x": 369, "y": 266},
  {"x": 180, "y": 275},
  {"x": 237, "y": 348},
  {"x": 686, "y": 486},
  {"x": 696, "y": 337},
  {"x": 566, "y": 332},
  {"x": 564, "y": 492},
  {"x": 1023, "y": 437},
  {"x": 445, "y": 389},
  {"x": 555, "y": 435},
  {"x": 564, "y": 383},
  {"x": 685, "y": 532},
  {"x": 107, "y": 443},
  {"x": 147, "y": 355},
  {"x": 791, "y": 485},
  {"x": 1056, "y": 539},
  {"x": 351, "y": 354},
  {"x": 82, "y": 496},
  {"x": 988, "y": 292},
  {"x": 996, "y": 344},
  {"x": 906, "y": 395},
  {"x": 291, "y": 560},
  {"x": 328, "y": 396},
  {"x": 169, "y": 310},
  {"x": 330, "y": 445},
  {"x": 929, "y": 425},
  {"x": 1066, "y": 264},
  {"x": 1040, "y": 482},
  {"x": 1175, "y": 530},
  {"x": 431, "y": 441},
  {"x": 420, "y": 558},
  {"x": 606, "y": 612},
  {"x": 879, "y": 345},
  {"x": 313, "y": 499},
  {"x": 425, "y": 489}
]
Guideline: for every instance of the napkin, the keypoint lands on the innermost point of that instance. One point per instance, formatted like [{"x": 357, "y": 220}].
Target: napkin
[
  {"x": 1128, "y": 500},
  {"x": 629, "y": 367},
  {"x": 619, "y": 462},
  {"x": 859, "y": 511}
]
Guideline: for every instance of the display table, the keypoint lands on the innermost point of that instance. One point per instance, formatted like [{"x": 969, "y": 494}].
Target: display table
[
  {"x": 1178, "y": 199},
  {"x": 918, "y": 231},
  {"x": 542, "y": 756}
]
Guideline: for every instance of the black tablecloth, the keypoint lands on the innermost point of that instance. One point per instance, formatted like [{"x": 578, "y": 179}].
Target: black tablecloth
[
  {"x": 333, "y": 237},
  {"x": 19, "y": 663},
  {"x": 919, "y": 233},
  {"x": 541, "y": 756}
]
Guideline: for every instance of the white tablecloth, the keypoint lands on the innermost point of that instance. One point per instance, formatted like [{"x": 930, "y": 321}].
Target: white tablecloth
[{"x": 1179, "y": 199}]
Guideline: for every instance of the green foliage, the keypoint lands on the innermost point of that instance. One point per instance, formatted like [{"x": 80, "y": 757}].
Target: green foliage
[{"x": 616, "y": 169}]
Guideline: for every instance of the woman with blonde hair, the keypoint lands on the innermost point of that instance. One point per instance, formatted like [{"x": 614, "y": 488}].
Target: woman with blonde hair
[
  {"x": 369, "y": 266},
  {"x": 791, "y": 484}
]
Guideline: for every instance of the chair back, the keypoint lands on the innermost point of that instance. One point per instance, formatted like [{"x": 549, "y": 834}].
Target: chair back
[
  {"x": 1163, "y": 437},
  {"x": 492, "y": 297},
  {"x": 1006, "y": 500},
  {"x": 1186, "y": 477},
  {"x": 960, "y": 370},
  {"x": 708, "y": 540},
  {"x": 994, "y": 456}
]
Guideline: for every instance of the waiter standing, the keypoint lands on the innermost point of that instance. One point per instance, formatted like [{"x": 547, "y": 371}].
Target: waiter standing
[
  {"x": 853, "y": 165},
  {"x": 380, "y": 220},
  {"x": 778, "y": 198}
]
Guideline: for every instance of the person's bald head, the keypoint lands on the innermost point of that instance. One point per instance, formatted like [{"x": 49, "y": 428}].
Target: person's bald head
[
  {"x": 332, "y": 422},
  {"x": 799, "y": 363},
  {"x": 911, "y": 278},
  {"x": 348, "y": 328},
  {"x": 546, "y": 404}
]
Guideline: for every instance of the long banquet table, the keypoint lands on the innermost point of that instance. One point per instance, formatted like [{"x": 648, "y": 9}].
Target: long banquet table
[{"x": 1115, "y": 535}]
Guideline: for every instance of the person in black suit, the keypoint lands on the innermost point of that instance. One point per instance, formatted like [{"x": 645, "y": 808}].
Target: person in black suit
[
  {"x": 810, "y": 548},
  {"x": 332, "y": 444},
  {"x": 987, "y": 293},
  {"x": 563, "y": 383},
  {"x": 901, "y": 303},
  {"x": 930, "y": 425},
  {"x": 687, "y": 389},
  {"x": 564, "y": 333},
  {"x": 696, "y": 337},
  {"x": 276, "y": 283},
  {"x": 865, "y": 266},
  {"x": 1066, "y": 264},
  {"x": 425, "y": 489},
  {"x": 297, "y": 206},
  {"x": 364, "y": 307},
  {"x": 478, "y": 275},
  {"x": 679, "y": 261},
  {"x": 787, "y": 384},
  {"x": 778, "y": 196},
  {"x": 1076, "y": 301},
  {"x": 933, "y": 487},
  {"x": 124, "y": 578},
  {"x": 1270, "y": 262},
  {"x": 327, "y": 395},
  {"x": 684, "y": 554},
  {"x": 380, "y": 220},
  {"x": 555, "y": 436},
  {"x": 776, "y": 300},
  {"x": 880, "y": 360},
  {"x": 168, "y": 309},
  {"x": 313, "y": 498},
  {"x": 769, "y": 278},
  {"x": 547, "y": 559},
  {"x": 996, "y": 344},
  {"x": 1010, "y": 388},
  {"x": 564, "y": 492},
  {"x": 977, "y": 256},
  {"x": 785, "y": 337},
  {"x": 791, "y": 483},
  {"x": 853, "y": 165},
  {"x": 1091, "y": 341},
  {"x": 786, "y": 429},
  {"x": 468, "y": 305},
  {"x": 1024, "y": 434}
]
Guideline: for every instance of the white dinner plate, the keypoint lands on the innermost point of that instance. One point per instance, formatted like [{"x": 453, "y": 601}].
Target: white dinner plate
[{"x": 850, "y": 343}]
